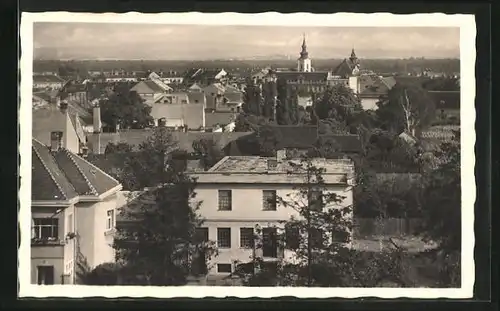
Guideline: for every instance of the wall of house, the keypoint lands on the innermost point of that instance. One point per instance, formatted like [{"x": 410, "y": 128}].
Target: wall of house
[
  {"x": 103, "y": 238},
  {"x": 369, "y": 103},
  {"x": 247, "y": 212},
  {"x": 85, "y": 230},
  {"x": 55, "y": 255},
  {"x": 71, "y": 141}
]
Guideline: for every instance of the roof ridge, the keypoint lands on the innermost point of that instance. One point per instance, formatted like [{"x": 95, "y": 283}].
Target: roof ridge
[
  {"x": 48, "y": 171},
  {"x": 95, "y": 167},
  {"x": 91, "y": 187}
]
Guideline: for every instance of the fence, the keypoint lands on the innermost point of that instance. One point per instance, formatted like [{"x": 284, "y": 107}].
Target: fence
[{"x": 369, "y": 227}]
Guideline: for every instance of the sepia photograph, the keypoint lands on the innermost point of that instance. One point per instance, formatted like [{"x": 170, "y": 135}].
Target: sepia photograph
[{"x": 232, "y": 151}]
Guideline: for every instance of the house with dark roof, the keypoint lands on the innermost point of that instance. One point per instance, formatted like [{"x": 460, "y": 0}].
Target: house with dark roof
[
  {"x": 73, "y": 210},
  {"x": 348, "y": 67}
]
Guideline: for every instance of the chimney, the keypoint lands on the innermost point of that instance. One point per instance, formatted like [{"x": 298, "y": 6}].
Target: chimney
[
  {"x": 56, "y": 140},
  {"x": 63, "y": 107},
  {"x": 97, "y": 118}
]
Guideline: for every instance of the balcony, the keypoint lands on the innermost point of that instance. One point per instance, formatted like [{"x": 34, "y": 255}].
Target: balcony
[{"x": 47, "y": 242}]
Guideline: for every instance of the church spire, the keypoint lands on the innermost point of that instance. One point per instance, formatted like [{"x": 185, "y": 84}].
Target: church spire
[
  {"x": 353, "y": 57},
  {"x": 304, "y": 54}
]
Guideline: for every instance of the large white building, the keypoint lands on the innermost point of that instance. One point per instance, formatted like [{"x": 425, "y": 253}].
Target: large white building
[{"x": 237, "y": 195}]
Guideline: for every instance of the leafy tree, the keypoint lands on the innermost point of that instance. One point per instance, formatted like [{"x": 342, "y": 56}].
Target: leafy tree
[
  {"x": 407, "y": 107},
  {"x": 126, "y": 109},
  {"x": 104, "y": 274},
  {"x": 246, "y": 122},
  {"x": 287, "y": 107},
  {"x": 162, "y": 243},
  {"x": 252, "y": 99},
  {"x": 120, "y": 147},
  {"x": 208, "y": 152},
  {"x": 443, "y": 190},
  {"x": 441, "y": 84},
  {"x": 337, "y": 102}
]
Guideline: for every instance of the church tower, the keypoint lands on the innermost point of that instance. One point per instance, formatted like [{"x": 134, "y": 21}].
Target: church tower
[
  {"x": 304, "y": 62},
  {"x": 354, "y": 59}
]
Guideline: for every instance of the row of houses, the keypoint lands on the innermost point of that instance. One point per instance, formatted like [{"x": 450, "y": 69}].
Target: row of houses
[{"x": 76, "y": 204}]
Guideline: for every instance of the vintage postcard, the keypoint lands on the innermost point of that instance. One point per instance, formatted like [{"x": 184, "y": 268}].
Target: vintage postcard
[{"x": 210, "y": 155}]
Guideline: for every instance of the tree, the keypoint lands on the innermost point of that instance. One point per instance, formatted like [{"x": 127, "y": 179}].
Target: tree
[
  {"x": 407, "y": 107},
  {"x": 337, "y": 102},
  {"x": 442, "y": 199},
  {"x": 126, "y": 109},
  {"x": 120, "y": 147},
  {"x": 252, "y": 99},
  {"x": 287, "y": 108},
  {"x": 162, "y": 244},
  {"x": 208, "y": 152}
]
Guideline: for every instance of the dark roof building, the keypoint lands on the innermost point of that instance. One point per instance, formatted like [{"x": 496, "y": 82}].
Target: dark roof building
[{"x": 60, "y": 175}]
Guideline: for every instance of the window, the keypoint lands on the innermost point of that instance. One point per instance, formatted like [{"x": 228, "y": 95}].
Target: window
[
  {"x": 224, "y": 237},
  {"x": 110, "y": 219},
  {"x": 316, "y": 200},
  {"x": 292, "y": 237},
  {"x": 269, "y": 243},
  {"x": 246, "y": 237},
  {"x": 316, "y": 238},
  {"x": 46, "y": 228},
  {"x": 224, "y": 268},
  {"x": 225, "y": 200},
  {"x": 269, "y": 200}
]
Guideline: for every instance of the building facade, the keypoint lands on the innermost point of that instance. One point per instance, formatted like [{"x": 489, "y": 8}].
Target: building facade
[{"x": 239, "y": 200}]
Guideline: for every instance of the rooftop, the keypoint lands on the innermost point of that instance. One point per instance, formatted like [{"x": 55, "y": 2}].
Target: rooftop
[
  {"x": 254, "y": 169},
  {"x": 62, "y": 175},
  {"x": 306, "y": 76}
]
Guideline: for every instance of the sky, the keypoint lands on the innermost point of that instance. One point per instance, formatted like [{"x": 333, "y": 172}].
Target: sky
[{"x": 199, "y": 42}]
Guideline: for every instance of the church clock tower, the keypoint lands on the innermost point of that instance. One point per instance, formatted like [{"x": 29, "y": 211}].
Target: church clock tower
[{"x": 304, "y": 62}]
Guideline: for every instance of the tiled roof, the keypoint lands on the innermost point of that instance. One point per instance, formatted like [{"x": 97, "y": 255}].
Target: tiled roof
[
  {"x": 195, "y": 87},
  {"x": 185, "y": 139},
  {"x": 218, "y": 117},
  {"x": 47, "y": 78},
  {"x": 71, "y": 174},
  {"x": 344, "y": 143},
  {"x": 248, "y": 164},
  {"x": 344, "y": 69},
  {"x": 146, "y": 87},
  {"x": 446, "y": 99},
  {"x": 293, "y": 136},
  {"x": 306, "y": 76},
  {"x": 48, "y": 182},
  {"x": 372, "y": 85}
]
